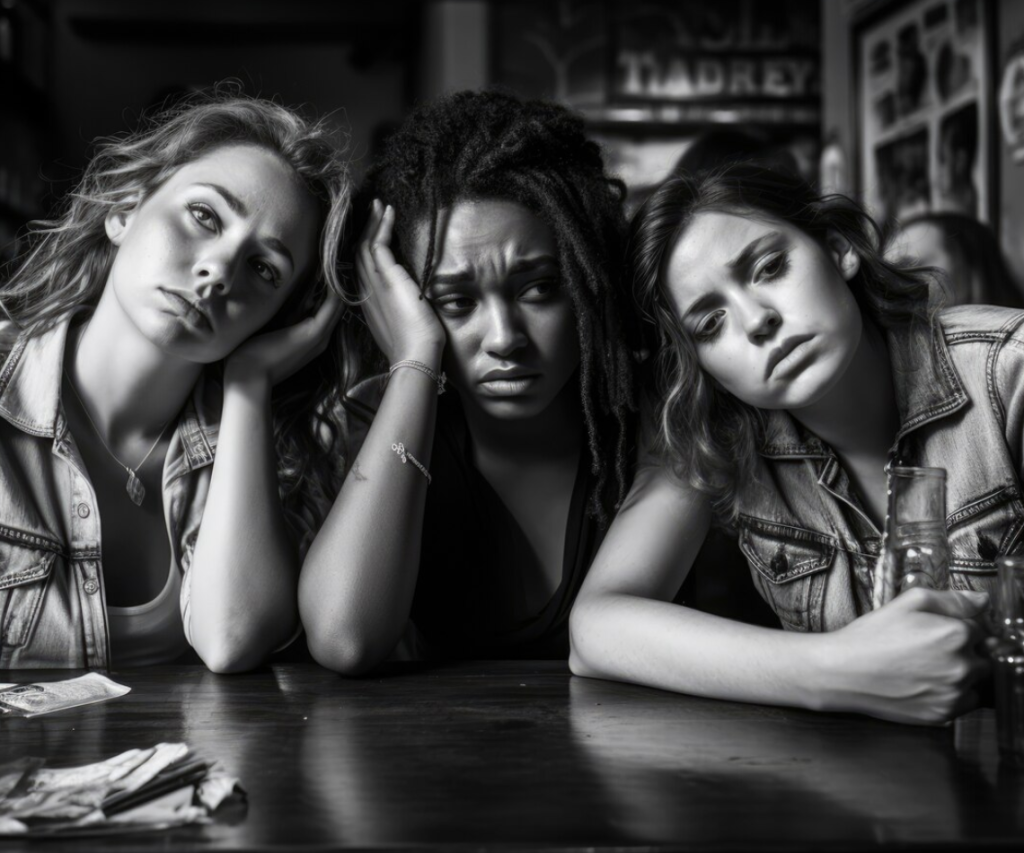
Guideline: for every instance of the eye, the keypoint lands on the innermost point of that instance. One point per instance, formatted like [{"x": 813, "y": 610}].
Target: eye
[
  {"x": 453, "y": 304},
  {"x": 773, "y": 267},
  {"x": 266, "y": 271},
  {"x": 540, "y": 290},
  {"x": 709, "y": 327},
  {"x": 204, "y": 215}
]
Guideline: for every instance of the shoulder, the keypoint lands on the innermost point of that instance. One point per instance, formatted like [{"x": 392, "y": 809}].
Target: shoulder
[
  {"x": 986, "y": 346},
  {"x": 967, "y": 323}
]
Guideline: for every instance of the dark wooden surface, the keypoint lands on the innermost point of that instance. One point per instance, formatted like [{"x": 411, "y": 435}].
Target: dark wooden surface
[{"x": 507, "y": 755}]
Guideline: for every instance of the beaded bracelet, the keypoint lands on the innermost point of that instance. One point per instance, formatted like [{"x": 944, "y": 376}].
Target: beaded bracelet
[
  {"x": 440, "y": 379},
  {"x": 408, "y": 457}
]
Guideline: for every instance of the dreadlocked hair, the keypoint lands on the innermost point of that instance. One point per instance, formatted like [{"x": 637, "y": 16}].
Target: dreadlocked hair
[
  {"x": 707, "y": 436},
  {"x": 474, "y": 146},
  {"x": 68, "y": 258}
]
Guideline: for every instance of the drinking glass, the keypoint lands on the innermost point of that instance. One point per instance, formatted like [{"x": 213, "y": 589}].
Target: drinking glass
[
  {"x": 1007, "y": 649},
  {"x": 915, "y": 549}
]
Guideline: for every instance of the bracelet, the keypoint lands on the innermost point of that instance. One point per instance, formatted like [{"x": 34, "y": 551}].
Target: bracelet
[
  {"x": 422, "y": 368},
  {"x": 408, "y": 457}
]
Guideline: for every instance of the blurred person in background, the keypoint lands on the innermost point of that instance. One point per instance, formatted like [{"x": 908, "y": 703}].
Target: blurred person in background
[{"x": 966, "y": 251}]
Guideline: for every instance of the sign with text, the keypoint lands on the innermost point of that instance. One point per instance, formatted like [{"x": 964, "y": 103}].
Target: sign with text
[{"x": 726, "y": 52}]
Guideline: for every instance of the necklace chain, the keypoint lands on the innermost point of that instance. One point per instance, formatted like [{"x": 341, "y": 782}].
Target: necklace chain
[{"x": 134, "y": 487}]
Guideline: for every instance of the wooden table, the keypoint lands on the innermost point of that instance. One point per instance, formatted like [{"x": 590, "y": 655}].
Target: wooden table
[{"x": 506, "y": 755}]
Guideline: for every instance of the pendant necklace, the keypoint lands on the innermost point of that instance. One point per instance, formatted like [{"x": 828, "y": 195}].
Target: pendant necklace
[{"x": 136, "y": 491}]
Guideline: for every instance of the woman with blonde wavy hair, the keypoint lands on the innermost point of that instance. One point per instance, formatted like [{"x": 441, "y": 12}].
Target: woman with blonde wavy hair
[
  {"x": 159, "y": 480},
  {"x": 793, "y": 366}
]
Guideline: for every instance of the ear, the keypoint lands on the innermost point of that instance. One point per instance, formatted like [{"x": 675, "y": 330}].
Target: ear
[
  {"x": 845, "y": 257},
  {"x": 117, "y": 224}
]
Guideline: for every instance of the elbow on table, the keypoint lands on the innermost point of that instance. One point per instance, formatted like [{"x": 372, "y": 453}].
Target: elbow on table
[
  {"x": 579, "y": 649},
  {"x": 345, "y": 655},
  {"x": 224, "y": 659}
]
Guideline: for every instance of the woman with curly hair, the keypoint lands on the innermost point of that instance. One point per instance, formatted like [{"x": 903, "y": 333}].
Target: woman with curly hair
[
  {"x": 158, "y": 480},
  {"x": 795, "y": 365},
  {"x": 488, "y": 269}
]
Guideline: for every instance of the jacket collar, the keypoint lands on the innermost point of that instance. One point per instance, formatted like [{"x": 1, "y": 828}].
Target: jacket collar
[
  {"x": 30, "y": 387},
  {"x": 30, "y": 380},
  {"x": 926, "y": 384}
]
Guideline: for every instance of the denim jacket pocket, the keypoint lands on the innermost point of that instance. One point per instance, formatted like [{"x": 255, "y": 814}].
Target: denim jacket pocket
[
  {"x": 25, "y": 565},
  {"x": 987, "y": 527},
  {"x": 790, "y": 569}
]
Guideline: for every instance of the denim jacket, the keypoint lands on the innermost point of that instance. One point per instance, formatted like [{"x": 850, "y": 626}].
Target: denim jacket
[
  {"x": 959, "y": 388},
  {"x": 52, "y": 601}
]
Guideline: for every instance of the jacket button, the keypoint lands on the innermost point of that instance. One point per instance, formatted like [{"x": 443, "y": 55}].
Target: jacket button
[
  {"x": 91, "y": 587},
  {"x": 83, "y": 510}
]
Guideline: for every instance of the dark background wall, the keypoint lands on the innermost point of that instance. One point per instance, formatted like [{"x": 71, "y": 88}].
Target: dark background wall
[{"x": 86, "y": 68}]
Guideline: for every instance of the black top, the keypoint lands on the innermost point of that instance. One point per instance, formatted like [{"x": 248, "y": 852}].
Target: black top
[{"x": 469, "y": 600}]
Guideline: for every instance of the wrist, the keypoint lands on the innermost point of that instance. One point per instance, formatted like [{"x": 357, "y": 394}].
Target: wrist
[
  {"x": 821, "y": 663},
  {"x": 240, "y": 376},
  {"x": 425, "y": 352}
]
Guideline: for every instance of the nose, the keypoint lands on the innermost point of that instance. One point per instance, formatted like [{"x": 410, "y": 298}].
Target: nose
[
  {"x": 759, "y": 320},
  {"x": 212, "y": 273},
  {"x": 505, "y": 333}
]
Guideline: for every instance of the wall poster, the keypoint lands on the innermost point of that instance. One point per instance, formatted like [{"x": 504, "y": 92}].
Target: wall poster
[{"x": 924, "y": 98}]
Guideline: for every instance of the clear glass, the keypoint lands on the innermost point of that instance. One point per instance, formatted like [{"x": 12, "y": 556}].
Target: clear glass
[
  {"x": 916, "y": 548},
  {"x": 1008, "y": 656}
]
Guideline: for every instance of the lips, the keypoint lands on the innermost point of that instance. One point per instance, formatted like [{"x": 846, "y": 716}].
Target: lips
[
  {"x": 187, "y": 310},
  {"x": 508, "y": 374},
  {"x": 508, "y": 382},
  {"x": 781, "y": 352}
]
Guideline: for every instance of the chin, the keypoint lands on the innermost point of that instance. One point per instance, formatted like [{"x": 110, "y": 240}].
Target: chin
[
  {"x": 511, "y": 408},
  {"x": 185, "y": 347},
  {"x": 808, "y": 391},
  {"x": 511, "y": 411}
]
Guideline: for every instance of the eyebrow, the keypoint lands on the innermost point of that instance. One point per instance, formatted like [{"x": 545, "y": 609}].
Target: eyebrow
[
  {"x": 277, "y": 246},
  {"x": 233, "y": 201},
  {"x": 465, "y": 276},
  {"x": 741, "y": 262},
  {"x": 238, "y": 206},
  {"x": 745, "y": 258}
]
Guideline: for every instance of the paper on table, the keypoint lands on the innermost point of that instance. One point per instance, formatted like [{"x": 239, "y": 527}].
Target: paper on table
[
  {"x": 62, "y": 798},
  {"x": 171, "y": 809},
  {"x": 31, "y": 700}
]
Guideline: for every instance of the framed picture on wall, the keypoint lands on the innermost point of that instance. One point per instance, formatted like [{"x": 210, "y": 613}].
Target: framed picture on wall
[{"x": 923, "y": 77}]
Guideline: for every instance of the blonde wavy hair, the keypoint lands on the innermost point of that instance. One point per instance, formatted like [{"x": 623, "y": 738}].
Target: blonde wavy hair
[{"x": 68, "y": 258}]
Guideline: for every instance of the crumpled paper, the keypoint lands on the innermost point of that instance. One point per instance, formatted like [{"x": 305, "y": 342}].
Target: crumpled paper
[{"x": 37, "y": 798}]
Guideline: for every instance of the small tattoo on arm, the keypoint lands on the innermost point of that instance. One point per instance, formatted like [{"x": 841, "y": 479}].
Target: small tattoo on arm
[{"x": 357, "y": 473}]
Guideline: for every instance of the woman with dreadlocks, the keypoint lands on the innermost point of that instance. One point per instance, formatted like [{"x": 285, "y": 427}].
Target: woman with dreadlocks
[{"x": 490, "y": 260}]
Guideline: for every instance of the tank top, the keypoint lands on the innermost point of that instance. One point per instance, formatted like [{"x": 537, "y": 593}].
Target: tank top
[
  {"x": 469, "y": 602},
  {"x": 151, "y": 633}
]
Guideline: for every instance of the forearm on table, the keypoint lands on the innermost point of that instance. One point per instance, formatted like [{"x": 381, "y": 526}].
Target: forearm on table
[
  {"x": 358, "y": 579},
  {"x": 659, "y": 644},
  {"x": 243, "y": 575}
]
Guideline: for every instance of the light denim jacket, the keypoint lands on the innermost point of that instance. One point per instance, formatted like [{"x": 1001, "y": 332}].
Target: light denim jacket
[
  {"x": 960, "y": 393},
  {"x": 52, "y": 601}
]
